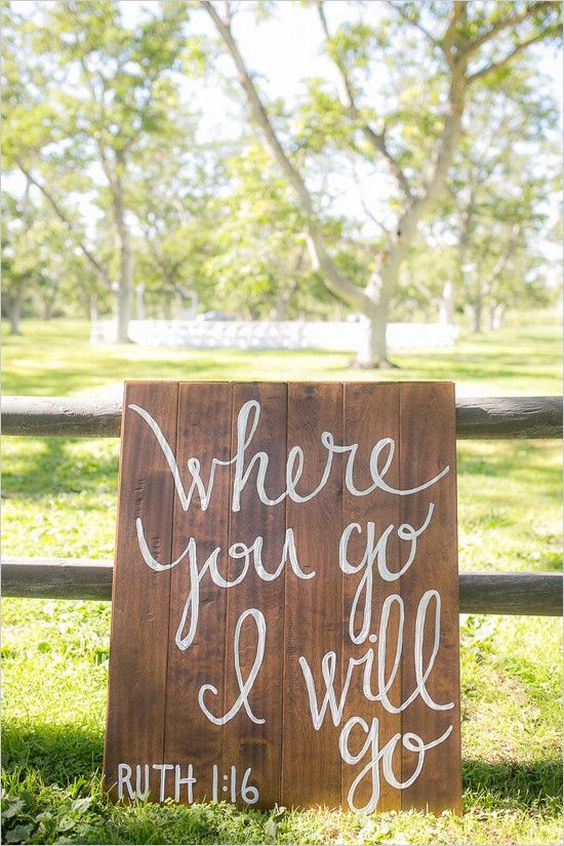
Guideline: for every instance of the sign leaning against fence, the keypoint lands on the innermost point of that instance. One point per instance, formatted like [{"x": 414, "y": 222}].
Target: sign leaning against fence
[{"x": 285, "y": 599}]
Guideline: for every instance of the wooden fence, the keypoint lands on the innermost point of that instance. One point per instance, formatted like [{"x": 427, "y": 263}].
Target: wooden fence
[{"x": 479, "y": 419}]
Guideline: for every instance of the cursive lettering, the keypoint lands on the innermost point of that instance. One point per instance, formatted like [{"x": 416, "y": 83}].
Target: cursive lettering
[{"x": 247, "y": 424}]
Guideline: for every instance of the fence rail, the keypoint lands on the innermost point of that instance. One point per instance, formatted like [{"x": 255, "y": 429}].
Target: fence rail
[
  {"x": 479, "y": 419},
  {"x": 65, "y": 578},
  {"x": 483, "y": 419}
]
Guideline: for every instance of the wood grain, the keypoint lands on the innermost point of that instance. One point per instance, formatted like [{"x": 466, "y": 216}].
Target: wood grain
[
  {"x": 427, "y": 445},
  {"x": 371, "y": 412},
  {"x": 139, "y": 635},
  {"x": 258, "y": 746},
  {"x": 311, "y": 767},
  {"x": 481, "y": 418},
  {"x": 204, "y": 431},
  {"x": 176, "y": 677}
]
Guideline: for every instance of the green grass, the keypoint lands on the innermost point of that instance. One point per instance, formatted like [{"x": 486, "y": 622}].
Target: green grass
[
  {"x": 55, "y": 359},
  {"x": 59, "y": 500}
]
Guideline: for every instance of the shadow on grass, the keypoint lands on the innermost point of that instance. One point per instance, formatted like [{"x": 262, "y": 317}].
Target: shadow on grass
[
  {"x": 69, "y": 380},
  {"x": 58, "y": 360},
  {"x": 52, "y": 469},
  {"x": 58, "y": 754},
  {"x": 513, "y": 785},
  {"x": 61, "y": 754},
  {"x": 521, "y": 463}
]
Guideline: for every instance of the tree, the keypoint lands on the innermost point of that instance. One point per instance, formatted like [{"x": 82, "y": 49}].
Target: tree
[
  {"x": 173, "y": 198},
  {"x": 258, "y": 263},
  {"x": 41, "y": 265},
  {"x": 94, "y": 94},
  {"x": 431, "y": 57},
  {"x": 504, "y": 173},
  {"x": 18, "y": 272},
  {"x": 481, "y": 250}
]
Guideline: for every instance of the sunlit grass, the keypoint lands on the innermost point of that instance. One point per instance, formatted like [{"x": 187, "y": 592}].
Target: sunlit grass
[
  {"x": 55, "y": 658},
  {"x": 56, "y": 359},
  {"x": 59, "y": 500}
]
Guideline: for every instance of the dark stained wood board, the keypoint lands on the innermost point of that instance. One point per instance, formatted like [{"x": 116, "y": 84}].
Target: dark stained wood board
[
  {"x": 313, "y": 606},
  {"x": 368, "y": 418},
  {"x": 250, "y": 745},
  {"x": 237, "y": 674},
  {"x": 200, "y": 407},
  {"x": 140, "y": 605},
  {"x": 427, "y": 440}
]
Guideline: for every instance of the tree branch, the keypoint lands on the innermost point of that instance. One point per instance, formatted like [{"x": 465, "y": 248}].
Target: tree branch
[
  {"x": 510, "y": 249},
  {"x": 373, "y": 217},
  {"x": 503, "y": 24},
  {"x": 100, "y": 270},
  {"x": 338, "y": 283},
  {"x": 397, "y": 7},
  {"x": 376, "y": 140},
  {"x": 364, "y": 205},
  {"x": 438, "y": 172},
  {"x": 459, "y": 12},
  {"x": 99, "y": 103},
  {"x": 421, "y": 287},
  {"x": 494, "y": 66}
]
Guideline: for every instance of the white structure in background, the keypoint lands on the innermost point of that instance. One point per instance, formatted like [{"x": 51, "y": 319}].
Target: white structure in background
[{"x": 271, "y": 335}]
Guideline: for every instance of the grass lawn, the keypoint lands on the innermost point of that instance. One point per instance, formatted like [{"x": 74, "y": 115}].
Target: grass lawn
[{"x": 59, "y": 500}]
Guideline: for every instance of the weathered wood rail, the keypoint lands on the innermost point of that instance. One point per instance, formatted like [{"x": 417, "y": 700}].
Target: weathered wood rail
[
  {"x": 65, "y": 578},
  {"x": 484, "y": 418},
  {"x": 478, "y": 419}
]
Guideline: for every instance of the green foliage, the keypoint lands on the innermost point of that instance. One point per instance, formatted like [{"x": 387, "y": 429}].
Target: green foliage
[
  {"x": 352, "y": 45},
  {"x": 95, "y": 113},
  {"x": 89, "y": 95},
  {"x": 322, "y": 121},
  {"x": 172, "y": 197},
  {"x": 123, "y": 91},
  {"x": 402, "y": 81},
  {"x": 257, "y": 256},
  {"x": 498, "y": 206}
]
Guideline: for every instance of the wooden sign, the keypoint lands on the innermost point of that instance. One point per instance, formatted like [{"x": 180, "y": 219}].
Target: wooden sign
[{"x": 285, "y": 601}]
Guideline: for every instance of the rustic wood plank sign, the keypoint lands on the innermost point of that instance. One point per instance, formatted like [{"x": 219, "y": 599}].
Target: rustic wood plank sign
[{"x": 285, "y": 600}]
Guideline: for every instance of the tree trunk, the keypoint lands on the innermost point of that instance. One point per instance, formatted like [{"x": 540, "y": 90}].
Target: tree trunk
[
  {"x": 446, "y": 308},
  {"x": 477, "y": 316},
  {"x": 373, "y": 347},
  {"x": 125, "y": 285},
  {"x": 13, "y": 307},
  {"x": 12, "y": 302},
  {"x": 284, "y": 295},
  {"x": 48, "y": 308},
  {"x": 125, "y": 290},
  {"x": 140, "y": 301},
  {"x": 496, "y": 313},
  {"x": 373, "y": 304}
]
